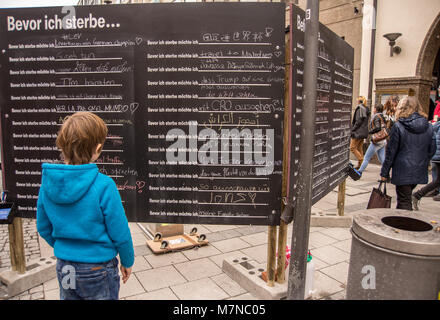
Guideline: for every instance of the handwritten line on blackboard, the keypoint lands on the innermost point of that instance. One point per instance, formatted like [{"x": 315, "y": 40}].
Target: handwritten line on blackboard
[
  {"x": 235, "y": 204},
  {"x": 234, "y": 178},
  {"x": 235, "y": 98},
  {"x": 84, "y": 72},
  {"x": 88, "y": 85},
  {"x": 236, "y": 43},
  {"x": 231, "y": 191},
  {"x": 225, "y": 216},
  {"x": 89, "y": 46},
  {"x": 108, "y": 124},
  {"x": 112, "y": 150},
  {"x": 233, "y": 57},
  {"x": 109, "y": 163},
  {"x": 234, "y": 71},
  {"x": 88, "y": 98},
  {"x": 234, "y": 165},
  {"x": 235, "y": 111},
  {"x": 116, "y": 176},
  {"x": 233, "y": 125},
  {"x": 236, "y": 84},
  {"x": 94, "y": 111},
  {"x": 89, "y": 59},
  {"x": 115, "y": 137}
]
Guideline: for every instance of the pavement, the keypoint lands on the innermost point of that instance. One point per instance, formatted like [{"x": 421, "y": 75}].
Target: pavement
[{"x": 196, "y": 274}]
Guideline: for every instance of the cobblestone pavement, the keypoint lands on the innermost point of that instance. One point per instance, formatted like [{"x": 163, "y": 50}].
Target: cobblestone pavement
[
  {"x": 197, "y": 274},
  {"x": 31, "y": 243}
]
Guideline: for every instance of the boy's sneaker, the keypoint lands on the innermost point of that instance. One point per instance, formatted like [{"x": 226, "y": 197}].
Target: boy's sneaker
[
  {"x": 436, "y": 198},
  {"x": 415, "y": 202}
]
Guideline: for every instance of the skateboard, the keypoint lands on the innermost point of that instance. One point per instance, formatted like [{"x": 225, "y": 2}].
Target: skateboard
[{"x": 176, "y": 243}]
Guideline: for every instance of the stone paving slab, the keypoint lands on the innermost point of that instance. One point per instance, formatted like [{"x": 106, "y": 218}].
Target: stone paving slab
[
  {"x": 131, "y": 287},
  {"x": 161, "y": 294},
  {"x": 230, "y": 244},
  {"x": 338, "y": 272},
  {"x": 256, "y": 238},
  {"x": 231, "y": 287},
  {"x": 165, "y": 259},
  {"x": 331, "y": 255},
  {"x": 203, "y": 289},
  {"x": 198, "y": 269},
  {"x": 159, "y": 278},
  {"x": 201, "y": 252}
]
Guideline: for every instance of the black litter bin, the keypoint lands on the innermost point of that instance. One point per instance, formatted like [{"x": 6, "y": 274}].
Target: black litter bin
[{"x": 395, "y": 254}]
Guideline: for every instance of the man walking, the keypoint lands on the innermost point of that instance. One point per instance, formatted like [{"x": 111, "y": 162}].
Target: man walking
[{"x": 359, "y": 130}]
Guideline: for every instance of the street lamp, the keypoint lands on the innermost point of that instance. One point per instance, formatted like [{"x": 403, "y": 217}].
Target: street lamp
[{"x": 392, "y": 37}]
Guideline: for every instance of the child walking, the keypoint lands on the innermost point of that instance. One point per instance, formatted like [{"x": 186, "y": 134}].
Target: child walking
[{"x": 80, "y": 214}]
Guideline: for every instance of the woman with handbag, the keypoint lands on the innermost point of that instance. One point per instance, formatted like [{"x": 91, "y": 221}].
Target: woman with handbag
[
  {"x": 379, "y": 135},
  {"x": 409, "y": 149},
  {"x": 435, "y": 184}
]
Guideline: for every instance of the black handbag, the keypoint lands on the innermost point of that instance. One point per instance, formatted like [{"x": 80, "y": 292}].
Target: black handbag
[{"x": 379, "y": 198}]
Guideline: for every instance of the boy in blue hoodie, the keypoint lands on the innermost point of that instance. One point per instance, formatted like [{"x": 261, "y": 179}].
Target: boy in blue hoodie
[{"x": 80, "y": 214}]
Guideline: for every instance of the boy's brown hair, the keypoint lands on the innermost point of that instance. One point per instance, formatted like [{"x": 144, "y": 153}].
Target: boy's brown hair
[{"x": 79, "y": 135}]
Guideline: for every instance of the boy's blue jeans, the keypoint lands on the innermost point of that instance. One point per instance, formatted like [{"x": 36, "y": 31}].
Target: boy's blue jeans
[{"x": 88, "y": 281}]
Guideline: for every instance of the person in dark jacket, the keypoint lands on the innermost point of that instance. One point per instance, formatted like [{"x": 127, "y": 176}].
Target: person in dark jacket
[
  {"x": 435, "y": 184},
  {"x": 376, "y": 124},
  {"x": 359, "y": 130},
  {"x": 409, "y": 149}
]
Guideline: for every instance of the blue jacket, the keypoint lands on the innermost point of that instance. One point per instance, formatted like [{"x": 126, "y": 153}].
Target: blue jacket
[
  {"x": 80, "y": 214},
  {"x": 436, "y": 126},
  {"x": 409, "y": 149}
]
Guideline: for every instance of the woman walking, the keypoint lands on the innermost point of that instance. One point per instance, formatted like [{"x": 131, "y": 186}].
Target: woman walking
[
  {"x": 377, "y": 123},
  {"x": 409, "y": 149},
  {"x": 435, "y": 184}
]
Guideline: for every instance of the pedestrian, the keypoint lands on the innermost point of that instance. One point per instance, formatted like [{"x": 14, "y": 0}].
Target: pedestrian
[
  {"x": 436, "y": 114},
  {"x": 376, "y": 124},
  {"x": 409, "y": 149},
  {"x": 359, "y": 130},
  {"x": 389, "y": 112},
  {"x": 435, "y": 184},
  {"x": 80, "y": 214}
]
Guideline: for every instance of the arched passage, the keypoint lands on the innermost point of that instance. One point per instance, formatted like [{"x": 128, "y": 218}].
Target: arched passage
[{"x": 426, "y": 60}]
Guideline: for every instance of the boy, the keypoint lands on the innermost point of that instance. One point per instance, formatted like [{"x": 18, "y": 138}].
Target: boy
[{"x": 80, "y": 214}]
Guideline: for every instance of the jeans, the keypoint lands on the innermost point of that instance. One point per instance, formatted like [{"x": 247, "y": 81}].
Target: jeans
[
  {"x": 434, "y": 185},
  {"x": 404, "y": 194},
  {"x": 88, "y": 281},
  {"x": 372, "y": 149}
]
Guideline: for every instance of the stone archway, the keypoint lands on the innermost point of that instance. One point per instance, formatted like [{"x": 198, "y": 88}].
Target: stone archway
[{"x": 425, "y": 62}]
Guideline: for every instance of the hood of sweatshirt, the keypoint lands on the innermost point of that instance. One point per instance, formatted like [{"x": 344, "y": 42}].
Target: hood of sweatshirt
[
  {"x": 415, "y": 123},
  {"x": 66, "y": 184}
]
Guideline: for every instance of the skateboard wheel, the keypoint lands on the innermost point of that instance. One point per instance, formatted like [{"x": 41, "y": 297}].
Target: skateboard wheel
[
  {"x": 193, "y": 231},
  {"x": 157, "y": 237},
  {"x": 164, "y": 244},
  {"x": 201, "y": 237}
]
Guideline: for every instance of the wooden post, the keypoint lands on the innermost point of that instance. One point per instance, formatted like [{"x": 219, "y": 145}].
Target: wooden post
[
  {"x": 282, "y": 231},
  {"x": 341, "y": 198},
  {"x": 16, "y": 246},
  {"x": 271, "y": 255}
]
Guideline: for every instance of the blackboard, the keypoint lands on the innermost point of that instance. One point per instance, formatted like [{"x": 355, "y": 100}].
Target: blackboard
[
  {"x": 192, "y": 95},
  {"x": 333, "y": 107}
]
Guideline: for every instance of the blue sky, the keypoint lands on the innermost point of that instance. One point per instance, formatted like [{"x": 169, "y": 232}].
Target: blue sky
[{"x": 35, "y": 3}]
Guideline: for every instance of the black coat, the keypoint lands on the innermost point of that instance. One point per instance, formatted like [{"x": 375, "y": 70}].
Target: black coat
[
  {"x": 409, "y": 149},
  {"x": 360, "y": 122}
]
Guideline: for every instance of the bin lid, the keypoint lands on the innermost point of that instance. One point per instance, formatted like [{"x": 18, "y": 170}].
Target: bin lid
[{"x": 404, "y": 231}]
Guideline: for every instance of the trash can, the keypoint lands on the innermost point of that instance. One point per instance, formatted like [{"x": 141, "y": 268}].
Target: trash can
[{"x": 395, "y": 254}]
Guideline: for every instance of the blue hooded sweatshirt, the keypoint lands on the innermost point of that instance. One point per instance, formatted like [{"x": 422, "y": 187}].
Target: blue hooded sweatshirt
[{"x": 80, "y": 214}]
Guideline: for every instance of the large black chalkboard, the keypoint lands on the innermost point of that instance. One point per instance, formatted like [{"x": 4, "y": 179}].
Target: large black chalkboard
[
  {"x": 333, "y": 107},
  {"x": 169, "y": 80}
]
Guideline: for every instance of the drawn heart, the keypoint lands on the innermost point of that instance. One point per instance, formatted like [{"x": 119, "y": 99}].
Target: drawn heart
[
  {"x": 277, "y": 53},
  {"x": 140, "y": 185},
  {"x": 133, "y": 107},
  {"x": 269, "y": 31},
  {"x": 138, "y": 40}
]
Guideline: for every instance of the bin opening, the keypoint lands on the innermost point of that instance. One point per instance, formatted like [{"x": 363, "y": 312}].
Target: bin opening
[{"x": 405, "y": 223}]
